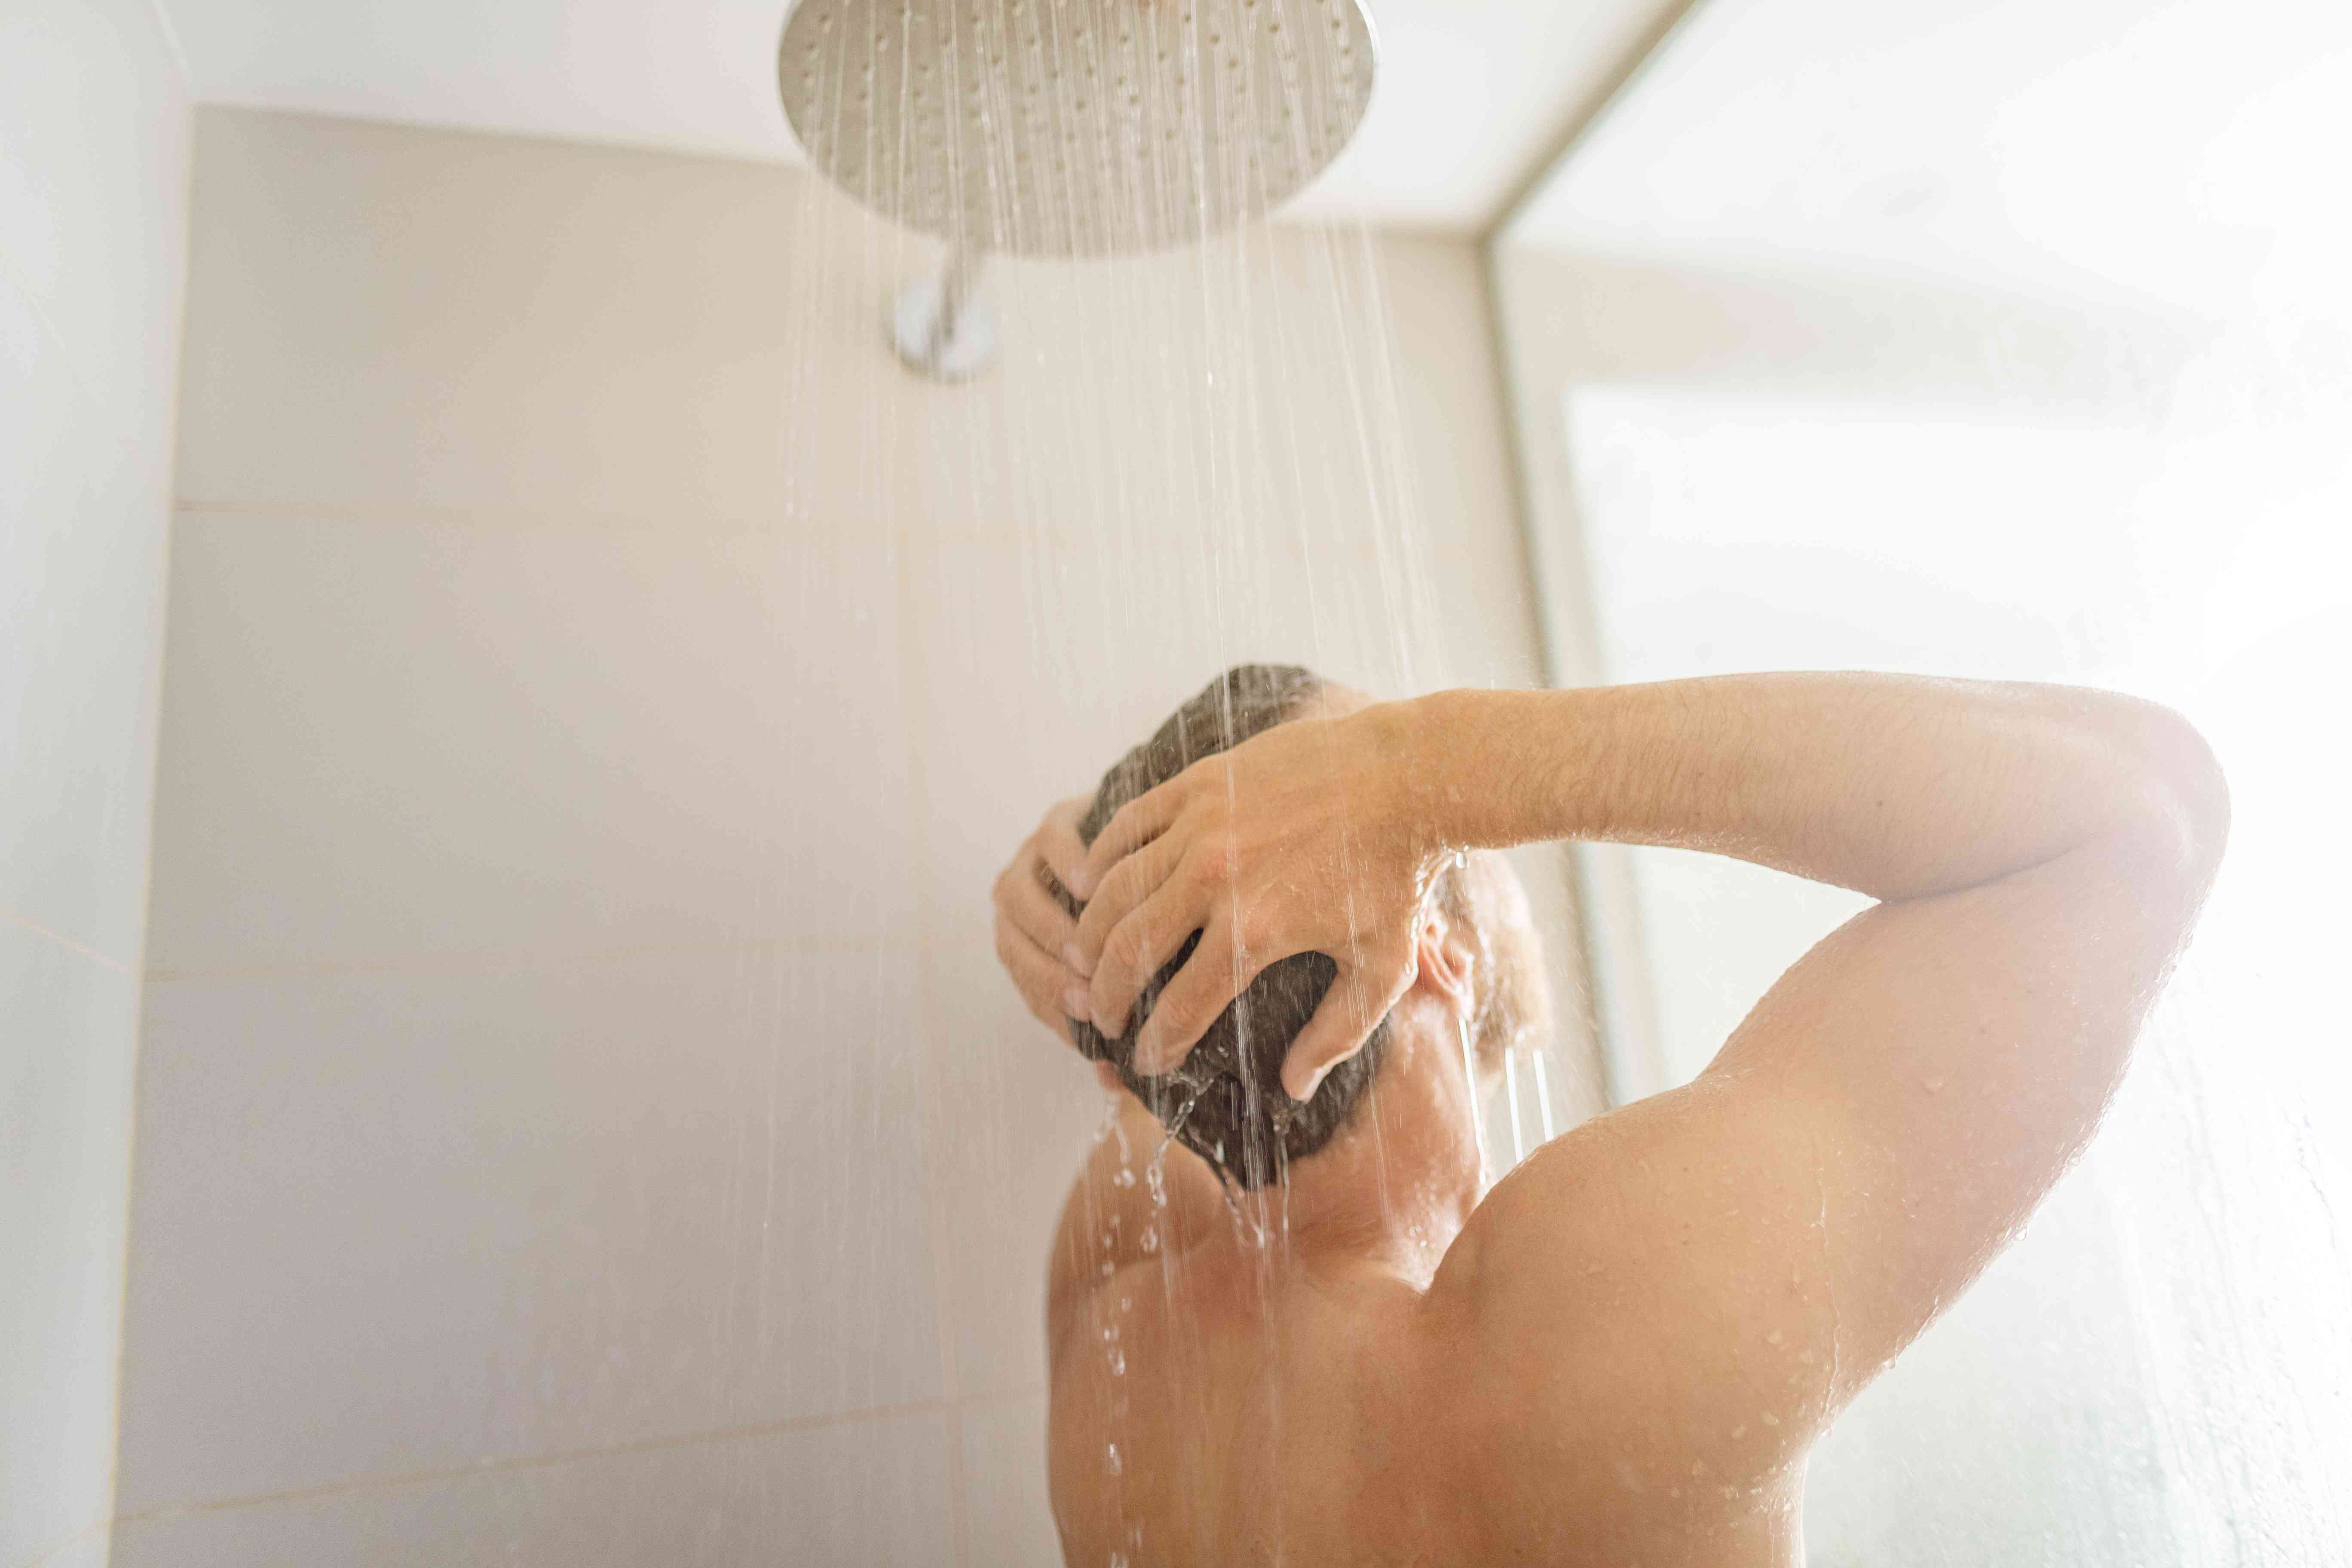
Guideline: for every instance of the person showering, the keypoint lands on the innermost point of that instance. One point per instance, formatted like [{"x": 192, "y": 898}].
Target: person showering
[{"x": 1305, "y": 1337}]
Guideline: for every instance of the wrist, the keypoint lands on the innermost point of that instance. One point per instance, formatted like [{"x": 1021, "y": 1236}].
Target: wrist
[{"x": 1414, "y": 763}]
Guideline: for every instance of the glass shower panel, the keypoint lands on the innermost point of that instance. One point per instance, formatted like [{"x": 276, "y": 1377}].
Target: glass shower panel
[{"x": 2015, "y": 345}]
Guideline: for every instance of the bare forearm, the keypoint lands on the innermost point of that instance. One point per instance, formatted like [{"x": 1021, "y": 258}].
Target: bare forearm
[{"x": 1895, "y": 786}]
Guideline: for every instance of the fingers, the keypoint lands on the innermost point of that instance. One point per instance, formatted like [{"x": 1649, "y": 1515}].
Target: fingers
[
  {"x": 1358, "y": 999},
  {"x": 1136, "y": 823},
  {"x": 1022, "y": 900},
  {"x": 1130, "y": 883},
  {"x": 1058, "y": 842},
  {"x": 1053, "y": 992},
  {"x": 1215, "y": 973},
  {"x": 1033, "y": 928},
  {"x": 1141, "y": 945}
]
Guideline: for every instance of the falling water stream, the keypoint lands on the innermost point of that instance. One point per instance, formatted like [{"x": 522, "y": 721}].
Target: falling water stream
[{"x": 1191, "y": 452}]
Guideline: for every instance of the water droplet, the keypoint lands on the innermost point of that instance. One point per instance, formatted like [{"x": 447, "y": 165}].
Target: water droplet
[
  {"x": 1117, "y": 1364},
  {"x": 1151, "y": 1239},
  {"x": 1111, "y": 1460}
]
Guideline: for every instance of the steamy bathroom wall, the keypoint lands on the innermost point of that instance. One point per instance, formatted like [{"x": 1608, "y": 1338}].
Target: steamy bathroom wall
[
  {"x": 580, "y": 1113},
  {"x": 93, "y": 208}
]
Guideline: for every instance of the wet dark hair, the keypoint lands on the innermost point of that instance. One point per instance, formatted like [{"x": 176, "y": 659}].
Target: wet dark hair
[{"x": 1226, "y": 1102}]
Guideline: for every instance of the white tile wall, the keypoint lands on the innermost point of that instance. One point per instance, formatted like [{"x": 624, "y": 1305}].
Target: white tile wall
[
  {"x": 93, "y": 210},
  {"x": 846, "y": 1497},
  {"x": 66, "y": 1030},
  {"x": 601, "y": 687},
  {"x": 81, "y": 559},
  {"x": 89, "y": 1549},
  {"x": 94, "y": 203}
]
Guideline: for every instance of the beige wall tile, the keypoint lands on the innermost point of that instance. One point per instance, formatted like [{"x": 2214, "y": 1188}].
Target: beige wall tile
[
  {"x": 67, "y": 1037},
  {"x": 414, "y": 1221},
  {"x": 1008, "y": 1518},
  {"x": 388, "y": 316},
  {"x": 870, "y": 1493},
  {"x": 1013, "y": 1113},
  {"x": 388, "y": 739}
]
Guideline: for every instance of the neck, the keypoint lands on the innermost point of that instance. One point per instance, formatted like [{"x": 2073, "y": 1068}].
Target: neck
[{"x": 1399, "y": 1182}]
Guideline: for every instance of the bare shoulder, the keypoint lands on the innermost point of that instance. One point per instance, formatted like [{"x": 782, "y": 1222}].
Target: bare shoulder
[
  {"x": 1691, "y": 1287},
  {"x": 1635, "y": 1308}
]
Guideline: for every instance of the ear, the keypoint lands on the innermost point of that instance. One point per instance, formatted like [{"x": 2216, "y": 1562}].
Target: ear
[{"x": 1448, "y": 964}]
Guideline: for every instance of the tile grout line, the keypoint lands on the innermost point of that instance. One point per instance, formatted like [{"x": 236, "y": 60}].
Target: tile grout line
[
  {"x": 490, "y": 959},
  {"x": 35, "y": 927},
  {"x": 57, "y": 1548},
  {"x": 520, "y": 517},
  {"x": 523, "y": 1462}
]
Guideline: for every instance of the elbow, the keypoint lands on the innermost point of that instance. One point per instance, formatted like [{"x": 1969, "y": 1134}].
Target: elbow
[{"x": 2180, "y": 815}]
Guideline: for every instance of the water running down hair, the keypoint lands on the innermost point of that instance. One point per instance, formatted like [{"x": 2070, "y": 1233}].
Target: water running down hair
[{"x": 1225, "y": 1102}]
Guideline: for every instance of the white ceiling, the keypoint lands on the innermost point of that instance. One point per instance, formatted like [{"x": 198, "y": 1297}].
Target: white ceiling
[
  {"x": 2158, "y": 151},
  {"x": 1470, "y": 92}
]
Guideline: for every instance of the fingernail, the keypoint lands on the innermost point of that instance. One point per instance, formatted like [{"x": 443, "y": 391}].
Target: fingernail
[
  {"x": 1076, "y": 959},
  {"x": 1076, "y": 1004}
]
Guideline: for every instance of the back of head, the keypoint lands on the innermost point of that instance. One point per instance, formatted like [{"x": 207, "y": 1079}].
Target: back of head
[{"x": 1226, "y": 1102}]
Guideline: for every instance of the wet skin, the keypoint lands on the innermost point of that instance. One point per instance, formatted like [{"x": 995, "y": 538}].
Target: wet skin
[{"x": 1624, "y": 1353}]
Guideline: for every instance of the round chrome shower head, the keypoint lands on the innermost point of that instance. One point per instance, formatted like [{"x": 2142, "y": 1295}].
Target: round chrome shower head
[{"x": 1074, "y": 127}]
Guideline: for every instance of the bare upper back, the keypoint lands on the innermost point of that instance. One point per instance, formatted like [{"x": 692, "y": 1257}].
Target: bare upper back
[{"x": 1223, "y": 1407}]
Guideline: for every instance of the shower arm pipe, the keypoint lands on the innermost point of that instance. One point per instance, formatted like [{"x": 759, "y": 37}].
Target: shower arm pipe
[
  {"x": 960, "y": 277},
  {"x": 943, "y": 326}
]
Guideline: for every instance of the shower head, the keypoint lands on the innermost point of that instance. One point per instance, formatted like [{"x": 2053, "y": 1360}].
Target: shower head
[{"x": 1074, "y": 127}]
